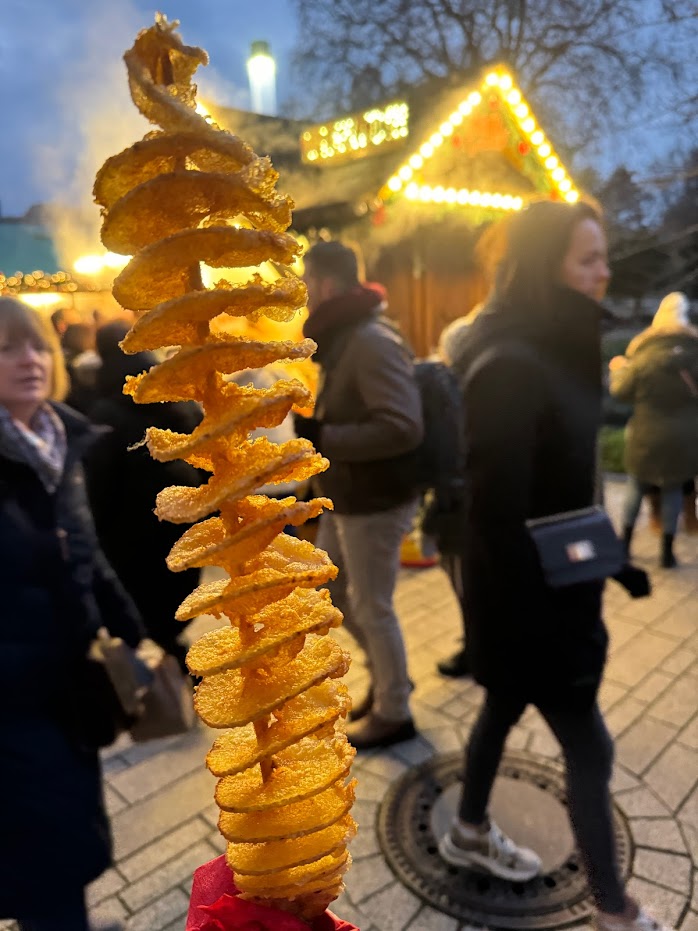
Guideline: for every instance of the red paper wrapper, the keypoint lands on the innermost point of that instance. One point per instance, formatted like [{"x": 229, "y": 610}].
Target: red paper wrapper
[{"x": 214, "y": 906}]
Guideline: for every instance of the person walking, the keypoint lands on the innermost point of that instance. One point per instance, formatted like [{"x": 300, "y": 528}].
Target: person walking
[
  {"x": 532, "y": 394},
  {"x": 57, "y": 591},
  {"x": 123, "y": 482},
  {"x": 368, "y": 422},
  {"x": 659, "y": 376}
]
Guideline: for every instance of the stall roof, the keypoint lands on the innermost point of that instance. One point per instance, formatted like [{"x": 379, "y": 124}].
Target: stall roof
[{"x": 477, "y": 146}]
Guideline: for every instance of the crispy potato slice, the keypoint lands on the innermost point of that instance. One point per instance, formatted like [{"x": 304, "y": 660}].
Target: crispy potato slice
[
  {"x": 234, "y": 698},
  {"x": 275, "y": 855},
  {"x": 287, "y": 563},
  {"x": 184, "y": 376},
  {"x": 242, "y": 408},
  {"x": 161, "y": 153},
  {"x": 212, "y": 543},
  {"x": 185, "y": 320},
  {"x": 302, "y": 612},
  {"x": 319, "y": 707},
  {"x": 249, "y": 466},
  {"x": 294, "y": 881},
  {"x": 300, "y": 772},
  {"x": 300, "y": 818},
  {"x": 162, "y": 271},
  {"x": 170, "y": 203}
]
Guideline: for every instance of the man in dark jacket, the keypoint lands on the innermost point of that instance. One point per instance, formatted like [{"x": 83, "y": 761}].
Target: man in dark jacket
[{"x": 368, "y": 423}]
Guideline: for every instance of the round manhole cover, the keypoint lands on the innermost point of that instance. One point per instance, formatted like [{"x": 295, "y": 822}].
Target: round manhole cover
[{"x": 529, "y": 803}]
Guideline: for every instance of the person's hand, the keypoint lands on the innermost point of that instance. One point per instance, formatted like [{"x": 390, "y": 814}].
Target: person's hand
[
  {"x": 308, "y": 428},
  {"x": 617, "y": 362}
]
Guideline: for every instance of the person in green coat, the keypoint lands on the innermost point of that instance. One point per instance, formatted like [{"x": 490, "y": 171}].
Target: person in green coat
[{"x": 659, "y": 376}]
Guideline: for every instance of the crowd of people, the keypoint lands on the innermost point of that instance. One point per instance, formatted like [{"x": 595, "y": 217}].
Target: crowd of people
[{"x": 82, "y": 549}]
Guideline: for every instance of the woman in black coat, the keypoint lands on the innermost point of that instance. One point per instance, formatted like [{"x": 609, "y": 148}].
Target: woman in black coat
[
  {"x": 123, "y": 484},
  {"x": 532, "y": 392},
  {"x": 57, "y": 590}
]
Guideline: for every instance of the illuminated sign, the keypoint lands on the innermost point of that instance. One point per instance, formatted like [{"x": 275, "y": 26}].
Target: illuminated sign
[{"x": 355, "y": 135}]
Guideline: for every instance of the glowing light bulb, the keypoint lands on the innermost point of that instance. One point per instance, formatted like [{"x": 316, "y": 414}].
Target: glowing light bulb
[
  {"x": 558, "y": 174},
  {"x": 474, "y": 99},
  {"x": 492, "y": 79},
  {"x": 537, "y": 137},
  {"x": 412, "y": 191},
  {"x": 505, "y": 82},
  {"x": 551, "y": 162},
  {"x": 425, "y": 193},
  {"x": 427, "y": 150},
  {"x": 438, "y": 194},
  {"x": 395, "y": 183},
  {"x": 572, "y": 197},
  {"x": 405, "y": 172},
  {"x": 463, "y": 196},
  {"x": 565, "y": 185},
  {"x": 514, "y": 97},
  {"x": 521, "y": 111},
  {"x": 416, "y": 161},
  {"x": 446, "y": 128},
  {"x": 475, "y": 198},
  {"x": 464, "y": 108},
  {"x": 456, "y": 118},
  {"x": 451, "y": 195},
  {"x": 436, "y": 140},
  {"x": 528, "y": 125},
  {"x": 544, "y": 150},
  {"x": 517, "y": 203}
]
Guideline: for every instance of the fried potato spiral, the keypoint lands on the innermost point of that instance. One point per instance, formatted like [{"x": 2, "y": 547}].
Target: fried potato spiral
[{"x": 190, "y": 193}]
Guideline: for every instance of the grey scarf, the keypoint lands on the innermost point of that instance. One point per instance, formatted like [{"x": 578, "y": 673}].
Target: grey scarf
[{"x": 43, "y": 447}]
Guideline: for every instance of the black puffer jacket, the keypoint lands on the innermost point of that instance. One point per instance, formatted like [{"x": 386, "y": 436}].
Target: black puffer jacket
[
  {"x": 123, "y": 484},
  {"x": 661, "y": 382},
  {"x": 57, "y": 589},
  {"x": 532, "y": 419}
]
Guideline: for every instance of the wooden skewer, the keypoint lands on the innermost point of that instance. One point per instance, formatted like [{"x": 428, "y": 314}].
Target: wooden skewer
[{"x": 260, "y": 729}]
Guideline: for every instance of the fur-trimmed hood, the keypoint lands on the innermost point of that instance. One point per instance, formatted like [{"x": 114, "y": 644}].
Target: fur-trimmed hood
[{"x": 659, "y": 332}]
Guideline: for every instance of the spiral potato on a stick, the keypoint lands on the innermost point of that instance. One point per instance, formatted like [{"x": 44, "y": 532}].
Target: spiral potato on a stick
[{"x": 185, "y": 195}]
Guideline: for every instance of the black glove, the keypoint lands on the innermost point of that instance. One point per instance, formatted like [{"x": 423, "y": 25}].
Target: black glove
[
  {"x": 635, "y": 581},
  {"x": 308, "y": 428}
]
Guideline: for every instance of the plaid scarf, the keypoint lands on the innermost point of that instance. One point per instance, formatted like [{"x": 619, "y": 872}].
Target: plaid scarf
[{"x": 42, "y": 446}]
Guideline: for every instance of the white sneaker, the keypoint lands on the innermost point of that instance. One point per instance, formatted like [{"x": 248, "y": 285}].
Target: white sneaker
[
  {"x": 491, "y": 851},
  {"x": 642, "y": 922}
]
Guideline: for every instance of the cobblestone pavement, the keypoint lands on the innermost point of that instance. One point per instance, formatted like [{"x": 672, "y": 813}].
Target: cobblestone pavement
[{"x": 160, "y": 795}]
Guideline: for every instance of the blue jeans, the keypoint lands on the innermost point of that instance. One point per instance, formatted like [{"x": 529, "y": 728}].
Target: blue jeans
[{"x": 671, "y": 497}]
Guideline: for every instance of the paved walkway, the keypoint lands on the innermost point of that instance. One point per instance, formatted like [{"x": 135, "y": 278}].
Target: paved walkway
[{"x": 160, "y": 795}]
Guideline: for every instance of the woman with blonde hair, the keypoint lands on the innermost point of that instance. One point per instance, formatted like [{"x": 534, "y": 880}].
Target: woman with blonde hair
[{"x": 57, "y": 591}]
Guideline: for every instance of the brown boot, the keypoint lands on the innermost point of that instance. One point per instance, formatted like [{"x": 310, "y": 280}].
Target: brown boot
[
  {"x": 374, "y": 731},
  {"x": 690, "y": 520},
  {"x": 361, "y": 708}
]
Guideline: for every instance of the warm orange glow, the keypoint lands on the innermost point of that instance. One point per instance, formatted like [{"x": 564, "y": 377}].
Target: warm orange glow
[{"x": 500, "y": 82}]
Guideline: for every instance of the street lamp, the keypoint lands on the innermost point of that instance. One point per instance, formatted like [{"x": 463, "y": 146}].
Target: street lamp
[{"x": 261, "y": 71}]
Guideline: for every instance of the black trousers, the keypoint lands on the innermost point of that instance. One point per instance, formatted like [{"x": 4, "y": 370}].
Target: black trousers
[
  {"x": 70, "y": 915},
  {"x": 588, "y": 750}
]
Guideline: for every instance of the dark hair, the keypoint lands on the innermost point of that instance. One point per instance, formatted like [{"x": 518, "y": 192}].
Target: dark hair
[
  {"x": 77, "y": 338},
  {"x": 334, "y": 260},
  {"x": 538, "y": 239},
  {"x": 116, "y": 364}
]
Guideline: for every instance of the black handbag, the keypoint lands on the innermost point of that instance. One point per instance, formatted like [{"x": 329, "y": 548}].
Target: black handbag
[{"x": 578, "y": 546}]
